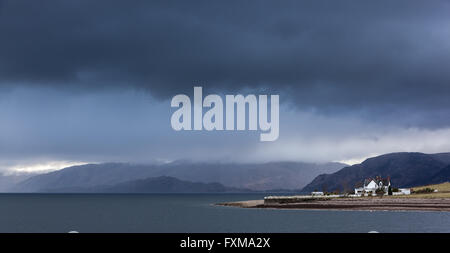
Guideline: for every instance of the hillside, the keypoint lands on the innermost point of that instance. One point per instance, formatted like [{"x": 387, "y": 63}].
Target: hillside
[{"x": 404, "y": 169}]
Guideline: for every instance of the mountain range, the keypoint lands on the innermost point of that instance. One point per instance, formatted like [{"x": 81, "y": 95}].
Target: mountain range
[
  {"x": 404, "y": 169},
  {"x": 256, "y": 177},
  {"x": 161, "y": 184}
]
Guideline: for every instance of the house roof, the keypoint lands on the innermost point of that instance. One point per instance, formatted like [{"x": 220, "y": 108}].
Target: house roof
[{"x": 377, "y": 180}]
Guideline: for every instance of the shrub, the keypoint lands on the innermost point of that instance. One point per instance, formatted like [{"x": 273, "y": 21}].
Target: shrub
[
  {"x": 424, "y": 190},
  {"x": 379, "y": 192}
]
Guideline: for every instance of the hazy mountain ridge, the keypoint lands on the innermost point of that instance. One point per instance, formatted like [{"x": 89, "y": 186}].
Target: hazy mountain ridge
[
  {"x": 85, "y": 176},
  {"x": 166, "y": 184},
  {"x": 7, "y": 181},
  {"x": 262, "y": 177},
  {"x": 404, "y": 169},
  {"x": 265, "y": 176},
  {"x": 161, "y": 184}
]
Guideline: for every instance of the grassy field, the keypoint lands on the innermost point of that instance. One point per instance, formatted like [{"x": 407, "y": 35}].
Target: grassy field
[
  {"x": 443, "y": 191},
  {"x": 444, "y": 187}
]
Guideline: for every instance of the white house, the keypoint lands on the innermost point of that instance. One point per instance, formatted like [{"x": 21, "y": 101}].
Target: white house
[
  {"x": 370, "y": 186},
  {"x": 317, "y": 193},
  {"x": 402, "y": 191}
]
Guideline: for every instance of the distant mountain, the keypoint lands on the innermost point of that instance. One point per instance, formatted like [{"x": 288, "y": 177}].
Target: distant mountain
[
  {"x": 9, "y": 181},
  {"x": 261, "y": 177},
  {"x": 266, "y": 176},
  {"x": 404, "y": 169},
  {"x": 85, "y": 176},
  {"x": 152, "y": 185}
]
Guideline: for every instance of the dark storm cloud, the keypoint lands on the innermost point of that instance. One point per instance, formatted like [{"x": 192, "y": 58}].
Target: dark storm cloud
[{"x": 330, "y": 55}]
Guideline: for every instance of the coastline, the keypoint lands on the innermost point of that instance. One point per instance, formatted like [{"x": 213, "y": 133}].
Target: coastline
[{"x": 362, "y": 204}]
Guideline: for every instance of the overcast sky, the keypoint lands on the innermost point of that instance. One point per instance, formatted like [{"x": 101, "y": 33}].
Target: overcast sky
[{"x": 91, "y": 81}]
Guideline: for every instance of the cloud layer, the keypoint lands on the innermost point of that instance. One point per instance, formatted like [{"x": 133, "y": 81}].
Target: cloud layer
[
  {"x": 90, "y": 80},
  {"x": 328, "y": 54}
]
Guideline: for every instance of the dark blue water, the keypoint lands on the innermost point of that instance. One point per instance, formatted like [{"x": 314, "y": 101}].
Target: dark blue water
[{"x": 193, "y": 213}]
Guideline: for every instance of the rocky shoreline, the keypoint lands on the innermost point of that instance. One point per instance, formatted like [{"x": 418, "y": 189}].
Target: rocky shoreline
[{"x": 367, "y": 204}]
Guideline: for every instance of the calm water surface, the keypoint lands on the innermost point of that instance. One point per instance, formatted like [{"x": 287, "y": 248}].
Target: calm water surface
[{"x": 192, "y": 213}]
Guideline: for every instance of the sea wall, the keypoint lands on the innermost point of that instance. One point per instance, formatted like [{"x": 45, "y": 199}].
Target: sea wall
[{"x": 296, "y": 199}]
